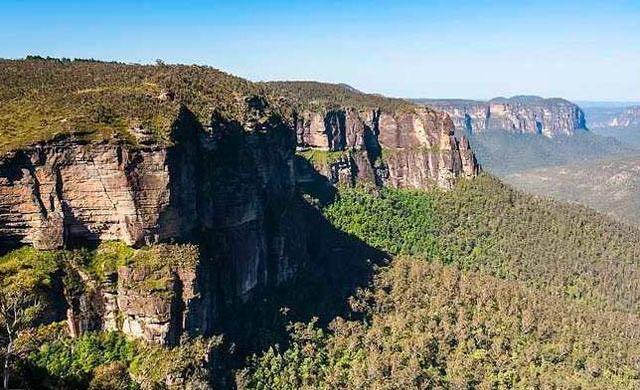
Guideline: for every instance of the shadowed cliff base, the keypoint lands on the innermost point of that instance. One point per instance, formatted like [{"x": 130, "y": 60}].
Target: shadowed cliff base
[{"x": 339, "y": 264}]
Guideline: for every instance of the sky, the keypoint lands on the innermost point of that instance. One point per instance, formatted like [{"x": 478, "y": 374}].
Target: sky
[{"x": 580, "y": 50}]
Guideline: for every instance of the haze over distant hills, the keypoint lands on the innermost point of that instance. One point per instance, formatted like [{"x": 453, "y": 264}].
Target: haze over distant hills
[
  {"x": 519, "y": 114},
  {"x": 587, "y": 154},
  {"x": 526, "y": 132}
]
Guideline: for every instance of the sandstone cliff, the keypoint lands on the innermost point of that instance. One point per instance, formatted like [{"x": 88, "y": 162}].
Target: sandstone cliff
[
  {"x": 623, "y": 118},
  {"x": 226, "y": 186},
  {"x": 414, "y": 149},
  {"x": 519, "y": 114},
  {"x": 223, "y": 174},
  {"x": 352, "y": 137}
]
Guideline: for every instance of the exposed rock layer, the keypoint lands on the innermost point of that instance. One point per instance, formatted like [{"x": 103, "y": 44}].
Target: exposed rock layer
[
  {"x": 406, "y": 149},
  {"x": 231, "y": 187},
  {"x": 520, "y": 114},
  {"x": 616, "y": 118},
  {"x": 158, "y": 302}
]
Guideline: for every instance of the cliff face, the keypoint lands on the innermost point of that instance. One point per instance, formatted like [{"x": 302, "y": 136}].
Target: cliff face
[
  {"x": 520, "y": 114},
  {"x": 226, "y": 179},
  {"x": 406, "y": 149},
  {"x": 232, "y": 185},
  {"x": 615, "y": 118},
  {"x": 228, "y": 186}
]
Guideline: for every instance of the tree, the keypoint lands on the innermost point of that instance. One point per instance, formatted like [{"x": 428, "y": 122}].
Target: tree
[
  {"x": 25, "y": 278},
  {"x": 19, "y": 307}
]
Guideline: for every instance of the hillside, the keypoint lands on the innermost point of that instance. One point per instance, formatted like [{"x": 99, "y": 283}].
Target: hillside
[
  {"x": 316, "y": 95},
  {"x": 486, "y": 286},
  {"x": 502, "y": 153},
  {"x": 491, "y": 288},
  {"x": 611, "y": 186},
  {"x": 42, "y": 98}
]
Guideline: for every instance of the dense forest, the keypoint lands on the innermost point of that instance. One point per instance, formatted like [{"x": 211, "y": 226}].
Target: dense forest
[
  {"x": 490, "y": 288},
  {"x": 486, "y": 288},
  {"x": 480, "y": 286}
]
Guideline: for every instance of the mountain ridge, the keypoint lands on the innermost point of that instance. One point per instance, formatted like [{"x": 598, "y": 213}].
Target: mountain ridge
[{"x": 522, "y": 114}]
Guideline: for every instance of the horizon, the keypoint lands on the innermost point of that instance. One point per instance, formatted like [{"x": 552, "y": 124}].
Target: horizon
[
  {"x": 586, "y": 103},
  {"x": 580, "y": 51}
]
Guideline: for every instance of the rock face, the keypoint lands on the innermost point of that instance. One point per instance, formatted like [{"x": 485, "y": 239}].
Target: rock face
[
  {"x": 230, "y": 186},
  {"x": 625, "y": 118},
  {"x": 519, "y": 114},
  {"x": 412, "y": 149},
  {"x": 156, "y": 300}
]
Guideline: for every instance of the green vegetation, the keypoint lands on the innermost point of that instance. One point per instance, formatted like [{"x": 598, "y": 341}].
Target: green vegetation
[
  {"x": 45, "y": 355},
  {"x": 483, "y": 225},
  {"x": 28, "y": 268},
  {"x": 25, "y": 280},
  {"x": 429, "y": 325},
  {"x": 101, "y": 360},
  {"x": 317, "y": 96},
  {"x": 322, "y": 158},
  {"x": 70, "y": 362},
  {"x": 41, "y": 98},
  {"x": 106, "y": 259},
  {"x": 185, "y": 365},
  {"x": 491, "y": 288},
  {"x": 397, "y": 222}
]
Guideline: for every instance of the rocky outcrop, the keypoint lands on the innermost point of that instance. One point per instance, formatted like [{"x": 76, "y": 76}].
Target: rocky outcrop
[
  {"x": 519, "y": 114},
  {"x": 406, "y": 149},
  {"x": 231, "y": 186},
  {"x": 228, "y": 184},
  {"x": 153, "y": 298},
  {"x": 622, "y": 118}
]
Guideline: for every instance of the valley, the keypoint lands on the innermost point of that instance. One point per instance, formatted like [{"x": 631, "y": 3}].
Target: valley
[
  {"x": 172, "y": 226},
  {"x": 611, "y": 185},
  {"x": 593, "y": 161}
]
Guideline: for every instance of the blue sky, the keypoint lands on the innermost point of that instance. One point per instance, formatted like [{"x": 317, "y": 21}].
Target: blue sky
[{"x": 582, "y": 50}]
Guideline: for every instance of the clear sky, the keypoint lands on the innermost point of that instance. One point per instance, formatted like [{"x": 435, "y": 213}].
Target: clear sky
[{"x": 582, "y": 50}]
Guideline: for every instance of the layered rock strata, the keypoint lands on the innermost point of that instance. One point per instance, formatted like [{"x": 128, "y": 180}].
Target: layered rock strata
[
  {"x": 153, "y": 300},
  {"x": 520, "y": 114},
  {"x": 405, "y": 149},
  {"x": 232, "y": 187}
]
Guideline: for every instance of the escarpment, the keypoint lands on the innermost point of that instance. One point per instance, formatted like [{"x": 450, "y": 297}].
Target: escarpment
[
  {"x": 226, "y": 174},
  {"x": 519, "y": 114},
  {"x": 227, "y": 186},
  {"x": 622, "y": 118},
  {"x": 352, "y": 137},
  {"x": 404, "y": 149}
]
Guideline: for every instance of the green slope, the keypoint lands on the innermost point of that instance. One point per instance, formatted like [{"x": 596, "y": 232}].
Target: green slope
[{"x": 491, "y": 288}]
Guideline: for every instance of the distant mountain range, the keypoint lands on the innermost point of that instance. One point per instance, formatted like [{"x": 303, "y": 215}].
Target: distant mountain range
[
  {"x": 518, "y": 114},
  {"x": 611, "y": 186},
  {"x": 614, "y": 117}
]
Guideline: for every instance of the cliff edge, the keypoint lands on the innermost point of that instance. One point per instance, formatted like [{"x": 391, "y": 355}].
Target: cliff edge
[{"x": 519, "y": 114}]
